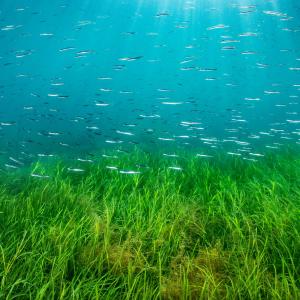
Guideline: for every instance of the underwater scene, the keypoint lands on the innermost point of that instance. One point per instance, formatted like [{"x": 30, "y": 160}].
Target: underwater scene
[{"x": 149, "y": 149}]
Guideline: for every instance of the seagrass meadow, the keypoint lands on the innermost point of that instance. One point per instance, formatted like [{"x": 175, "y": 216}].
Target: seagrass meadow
[
  {"x": 220, "y": 228},
  {"x": 150, "y": 150}
]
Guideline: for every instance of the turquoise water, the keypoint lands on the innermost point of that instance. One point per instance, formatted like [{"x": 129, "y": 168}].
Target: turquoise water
[{"x": 83, "y": 77}]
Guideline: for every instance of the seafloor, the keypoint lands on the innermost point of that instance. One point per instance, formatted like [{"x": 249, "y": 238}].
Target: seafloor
[{"x": 141, "y": 227}]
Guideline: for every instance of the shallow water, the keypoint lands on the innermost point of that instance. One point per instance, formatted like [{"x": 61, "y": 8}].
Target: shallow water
[
  {"x": 80, "y": 78},
  {"x": 149, "y": 149}
]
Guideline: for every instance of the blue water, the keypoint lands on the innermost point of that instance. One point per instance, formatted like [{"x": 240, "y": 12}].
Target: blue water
[{"x": 82, "y": 77}]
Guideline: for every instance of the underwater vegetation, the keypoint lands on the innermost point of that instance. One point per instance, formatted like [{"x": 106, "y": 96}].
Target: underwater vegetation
[{"x": 221, "y": 228}]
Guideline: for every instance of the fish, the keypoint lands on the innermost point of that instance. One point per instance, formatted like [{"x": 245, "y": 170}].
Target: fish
[
  {"x": 169, "y": 82},
  {"x": 130, "y": 58}
]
